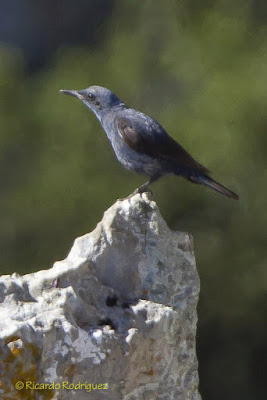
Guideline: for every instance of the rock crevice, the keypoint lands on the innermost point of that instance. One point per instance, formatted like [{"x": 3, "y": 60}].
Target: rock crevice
[{"x": 116, "y": 318}]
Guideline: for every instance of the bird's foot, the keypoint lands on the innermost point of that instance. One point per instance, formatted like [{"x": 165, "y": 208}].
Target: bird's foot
[
  {"x": 144, "y": 189},
  {"x": 139, "y": 190}
]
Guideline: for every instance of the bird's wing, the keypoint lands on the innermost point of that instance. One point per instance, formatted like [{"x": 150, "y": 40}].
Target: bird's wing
[{"x": 154, "y": 141}]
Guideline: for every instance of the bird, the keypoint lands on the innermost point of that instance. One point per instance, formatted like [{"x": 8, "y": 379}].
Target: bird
[{"x": 141, "y": 144}]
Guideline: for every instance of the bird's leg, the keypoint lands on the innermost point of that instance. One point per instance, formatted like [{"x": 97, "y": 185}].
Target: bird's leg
[{"x": 144, "y": 187}]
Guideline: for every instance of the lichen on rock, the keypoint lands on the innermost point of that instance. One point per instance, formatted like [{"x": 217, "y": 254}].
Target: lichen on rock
[{"x": 120, "y": 321}]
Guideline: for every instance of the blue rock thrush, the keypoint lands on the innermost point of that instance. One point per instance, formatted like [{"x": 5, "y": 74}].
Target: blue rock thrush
[{"x": 141, "y": 144}]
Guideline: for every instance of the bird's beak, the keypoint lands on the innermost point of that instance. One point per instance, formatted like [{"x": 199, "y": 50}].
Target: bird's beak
[{"x": 74, "y": 93}]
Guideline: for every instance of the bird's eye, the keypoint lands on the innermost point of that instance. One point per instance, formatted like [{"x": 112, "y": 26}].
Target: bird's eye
[{"x": 91, "y": 96}]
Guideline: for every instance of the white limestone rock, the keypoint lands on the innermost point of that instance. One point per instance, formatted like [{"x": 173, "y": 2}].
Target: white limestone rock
[{"x": 119, "y": 314}]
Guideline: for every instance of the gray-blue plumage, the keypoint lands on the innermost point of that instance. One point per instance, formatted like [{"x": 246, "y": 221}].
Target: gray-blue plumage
[{"x": 140, "y": 143}]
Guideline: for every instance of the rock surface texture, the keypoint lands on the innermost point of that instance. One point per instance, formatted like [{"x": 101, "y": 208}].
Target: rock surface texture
[{"x": 115, "y": 320}]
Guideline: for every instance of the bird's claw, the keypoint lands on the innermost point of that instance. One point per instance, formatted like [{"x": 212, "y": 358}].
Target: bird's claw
[{"x": 139, "y": 190}]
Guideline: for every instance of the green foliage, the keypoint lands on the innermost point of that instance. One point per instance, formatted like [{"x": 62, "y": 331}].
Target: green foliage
[{"x": 201, "y": 72}]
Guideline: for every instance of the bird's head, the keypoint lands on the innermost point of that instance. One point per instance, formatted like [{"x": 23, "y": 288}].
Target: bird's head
[{"x": 98, "y": 99}]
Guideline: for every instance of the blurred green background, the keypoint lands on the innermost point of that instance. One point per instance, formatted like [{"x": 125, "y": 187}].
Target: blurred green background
[{"x": 200, "y": 69}]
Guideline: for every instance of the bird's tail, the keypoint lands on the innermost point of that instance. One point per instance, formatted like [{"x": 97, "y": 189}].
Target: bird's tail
[{"x": 208, "y": 181}]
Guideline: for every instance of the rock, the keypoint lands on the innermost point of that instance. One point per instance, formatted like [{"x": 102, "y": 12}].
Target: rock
[{"x": 115, "y": 320}]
